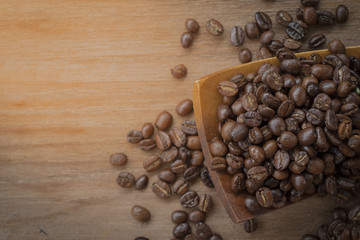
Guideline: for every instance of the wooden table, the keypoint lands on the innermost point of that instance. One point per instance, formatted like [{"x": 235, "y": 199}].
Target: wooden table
[{"x": 76, "y": 76}]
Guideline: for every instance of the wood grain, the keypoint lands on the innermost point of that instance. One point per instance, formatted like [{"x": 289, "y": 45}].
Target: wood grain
[{"x": 76, "y": 76}]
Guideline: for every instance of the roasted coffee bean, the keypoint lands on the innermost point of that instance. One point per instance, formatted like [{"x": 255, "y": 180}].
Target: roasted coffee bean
[
  {"x": 283, "y": 17},
  {"x": 223, "y": 112},
  {"x": 335, "y": 46},
  {"x": 354, "y": 142},
  {"x": 313, "y": 90},
  {"x": 300, "y": 13},
  {"x": 341, "y": 74},
  {"x": 315, "y": 166},
  {"x": 294, "y": 195},
  {"x": 301, "y": 158},
  {"x": 245, "y": 55},
  {"x": 191, "y": 174},
  {"x": 147, "y": 144},
  {"x": 192, "y": 25},
  {"x": 169, "y": 155},
  {"x": 325, "y": 17},
  {"x": 218, "y": 148},
  {"x": 291, "y": 44},
  {"x": 281, "y": 160},
  {"x": 180, "y": 187},
  {"x": 197, "y": 216},
  {"x": 264, "y": 197},
  {"x": 266, "y": 37},
  {"x": 322, "y": 71},
  {"x": 298, "y": 181},
  {"x": 263, "y": 52},
  {"x": 252, "y": 119},
  {"x": 237, "y": 108},
  {"x": 206, "y": 179},
  {"x": 277, "y": 126},
  {"x": 189, "y": 127},
  {"x": 125, "y": 180},
  {"x": 163, "y": 120},
  {"x": 179, "y": 216},
  {"x": 258, "y": 173},
  {"x": 238, "y": 182},
  {"x": 331, "y": 184},
  {"x": 250, "y": 225},
  {"x": 193, "y": 142},
  {"x": 140, "y": 213},
  {"x": 178, "y": 166},
  {"x": 310, "y": 3},
  {"x": 310, "y": 16},
  {"x": 355, "y": 232},
  {"x": 263, "y": 21},
  {"x": 234, "y": 161},
  {"x": 141, "y": 182},
  {"x": 239, "y": 79},
  {"x": 331, "y": 120},
  {"x": 197, "y": 158},
  {"x": 292, "y": 124},
  {"x": 257, "y": 153},
  {"x": 218, "y": 164},
  {"x": 340, "y": 214},
  {"x": 203, "y": 231},
  {"x": 293, "y": 167},
  {"x": 152, "y": 163},
  {"x": 354, "y": 214},
  {"x": 189, "y": 199},
  {"x": 186, "y": 39},
  {"x": 227, "y": 88},
  {"x": 299, "y": 115},
  {"x": 265, "y": 112},
  {"x": 205, "y": 203},
  {"x": 237, "y": 36},
  {"x": 214, "y": 27},
  {"x": 292, "y": 66},
  {"x": 185, "y": 107},
  {"x": 118, "y": 159},
  {"x": 344, "y": 129},
  {"x": 295, "y": 31},
  {"x": 166, "y": 175},
  {"x": 284, "y": 53},
  {"x": 147, "y": 130},
  {"x": 275, "y": 45},
  {"x": 182, "y": 230},
  {"x": 342, "y": 14},
  {"x": 252, "y": 30},
  {"x": 163, "y": 141},
  {"x": 344, "y": 89},
  {"x": 287, "y": 140},
  {"x": 280, "y": 174},
  {"x": 161, "y": 189},
  {"x": 270, "y": 148},
  {"x": 179, "y": 71},
  {"x": 317, "y": 40},
  {"x": 134, "y": 136},
  {"x": 251, "y": 204},
  {"x": 315, "y": 116},
  {"x": 250, "y": 162},
  {"x": 274, "y": 81},
  {"x": 255, "y": 136},
  {"x": 249, "y": 102},
  {"x": 226, "y": 131}
]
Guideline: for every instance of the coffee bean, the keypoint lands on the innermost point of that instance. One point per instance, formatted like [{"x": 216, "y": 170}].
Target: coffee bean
[
  {"x": 152, "y": 163},
  {"x": 179, "y": 71},
  {"x": 251, "y": 204},
  {"x": 284, "y": 53},
  {"x": 322, "y": 71},
  {"x": 281, "y": 160},
  {"x": 301, "y": 158},
  {"x": 331, "y": 120},
  {"x": 325, "y": 17},
  {"x": 280, "y": 174},
  {"x": 205, "y": 202},
  {"x": 349, "y": 109},
  {"x": 178, "y": 166},
  {"x": 227, "y": 88},
  {"x": 182, "y": 230},
  {"x": 252, "y": 119},
  {"x": 317, "y": 40},
  {"x": 238, "y": 182},
  {"x": 255, "y": 136},
  {"x": 252, "y": 30},
  {"x": 189, "y": 127},
  {"x": 218, "y": 164},
  {"x": 118, "y": 159},
  {"x": 295, "y": 31},
  {"x": 266, "y": 37},
  {"x": 197, "y": 216},
  {"x": 134, "y": 136},
  {"x": 218, "y": 148},
  {"x": 147, "y": 130},
  {"x": 344, "y": 129},
  {"x": 340, "y": 214},
  {"x": 214, "y": 27},
  {"x": 245, "y": 55},
  {"x": 203, "y": 231},
  {"x": 315, "y": 166},
  {"x": 185, "y": 107},
  {"x": 286, "y": 108},
  {"x": 147, "y": 144},
  {"x": 250, "y": 225},
  {"x": 197, "y": 158},
  {"x": 125, "y": 180},
  {"x": 264, "y": 197},
  {"x": 166, "y": 175},
  {"x": 178, "y": 137},
  {"x": 192, "y": 25},
  {"x": 140, "y": 213},
  {"x": 276, "y": 126},
  {"x": 315, "y": 116},
  {"x": 163, "y": 141},
  {"x": 263, "y": 52},
  {"x": 163, "y": 120},
  {"x": 294, "y": 195},
  {"x": 206, "y": 178},
  {"x": 237, "y": 36},
  {"x": 310, "y": 16},
  {"x": 249, "y": 102},
  {"x": 310, "y": 3},
  {"x": 189, "y": 199},
  {"x": 273, "y": 81},
  {"x": 292, "y": 66},
  {"x": 235, "y": 162},
  {"x": 275, "y": 45},
  {"x": 141, "y": 182},
  {"x": 263, "y": 21},
  {"x": 179, "y": 216},
  {"x": 184, "y": 154},
  {"x": 291, "y": 44},
  {"x": 161, "y": 189},
  {"x": 186, "y": 39},
  {"x": 355, "y": 232},
  {"x": 169, "y": 155},
  {"x": 335, "y": 46},
  {"x": 257, "y": 153},
  {"x": 180, "y": 187},
  {"x": 258, "y": 173},
  {"x": 342, "y": 14},
  {"x": 283, "y": 17},
  {"x": 191, "y": 174}
]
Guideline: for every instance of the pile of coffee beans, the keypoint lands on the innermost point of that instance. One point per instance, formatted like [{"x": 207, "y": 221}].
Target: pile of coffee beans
[
  {"x": 345, "y": 225},
  {"x": 291, "y": 130}
]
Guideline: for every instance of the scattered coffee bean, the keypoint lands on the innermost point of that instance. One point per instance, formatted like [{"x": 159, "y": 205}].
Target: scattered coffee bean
[
  {"x": 263, "y": 21},
  {"x": 192, "y": 25},
  {"x": 179, "y": 216},
  {"x": 179, "y": 71},
  {"x": 237, "y": 36},
  {"x": 203, "y": 231},
  {"x": 182, "y": 230},
  {"x": 214, "y": 27},
  {"x": 163, "y": 120},
  {"x": 250, "y": 225},
  {"x": 186, "y": 39},
  {"x": 147, "y": 130},
  {"x": 163, "y": 141},
  {"x": 205, "y": 178},
  {"x": 134, "y": 136},
  {"x": 205, "y": 202},
  {"x": 283, "y": 18},
  {"x": 147, "y": 144},
  {"x": 245, "y": 55},
  {"x": 180, "y": 187},
  {"x": 161, "y": 189},
  {"x": 252, "y": 30},
  {"x": 140, "y": 213},
  {"x": 141, "y": 182},
  {"x": 325, "y": 17},
  {"x": 166, "y": 175},
  {"x": 125, "y": 180},
  {"x": 189, "y": 199},
  {"x": 197, "y": 216},
  {"x": 152, "y": 163},
  {"x": 317, "y": 40},
  {"x": 185, "y": 107},
  {"x": 342, "y": 14},
  {"x": 335, "y": 46},
  {"x": 118, "y": 159},
  {"x": 189, "y": 127}
]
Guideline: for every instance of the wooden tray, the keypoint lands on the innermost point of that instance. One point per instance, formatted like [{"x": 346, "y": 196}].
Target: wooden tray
[{"x": 206, "y": 99}]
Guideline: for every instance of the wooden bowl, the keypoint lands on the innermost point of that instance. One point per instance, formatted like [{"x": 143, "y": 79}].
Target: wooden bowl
[{"x": 206, "y": 99}]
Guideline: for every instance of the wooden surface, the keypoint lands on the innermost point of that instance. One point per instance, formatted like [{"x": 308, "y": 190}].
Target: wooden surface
[
  {"x": 206, "y": 99},
  {"x": 76, "y": 76}
]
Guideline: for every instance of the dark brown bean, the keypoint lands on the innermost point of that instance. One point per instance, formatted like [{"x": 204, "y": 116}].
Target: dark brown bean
[
  {"x": 134, "y": 136},
  {"x": 147, "y": 130},
  {"x": 342, "y": 14},
  {"x": 179, "y": 71},
  {"x": 180, "y": 187},
  {"x": 141, "y": 182},
  {"x": 118, "y": 159},
  {"x": 163, "y": 120},
  {"x": 197, "y": 216},
  {"x": 283, "y": 17},
  {"x": 263, "y": 21},
  {"x": 163, "y": 141},
  {"x": 140, "y": 213},
  {"x": 335, "y": 46},
  {"x": 192, "y": 25},
  {"x": 166, "y": 175},
  {"x": 147, "y": 144},
  {"x": 161, "y": 189},
  {"x": 152, "y": 163},
  {"x": 179, "y": 216},
  {"x": 185, "y": 107},
  {"x": 178, "y": 166},
  {"x": 186, "y": 39},
  {"x": 250, "y": 225},
  {"x": 182, "y": 230},
  {"x": 189, "y": 199},
  {"x": 252, "y": 30},
  {"x": 125, "y": 180},
  {"x": 245, "y": 55},
  {"x": 237, "y": 36},
  {"x": 227, "y": 88},
  {"x": 310, "y": 16},
  {"x": 214, "y": 27},
  {"x": 317, "y": 40},
  {"x": 189, "y": 127},
  {"x": 218, "y": 164},
  {"x": 238, "y": 182},
  {"x": 257, "y": 153},
  {"x": 325, "y": 17},
  {"x": 203, "y": 231},
  {"x": 266, "y": 37},
  {"x": 205, "y": 202},
  {"x": 264, "y": 197}
]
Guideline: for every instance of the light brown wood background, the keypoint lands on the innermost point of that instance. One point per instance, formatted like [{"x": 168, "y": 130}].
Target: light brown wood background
[{"x": 76, "y": 75}]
